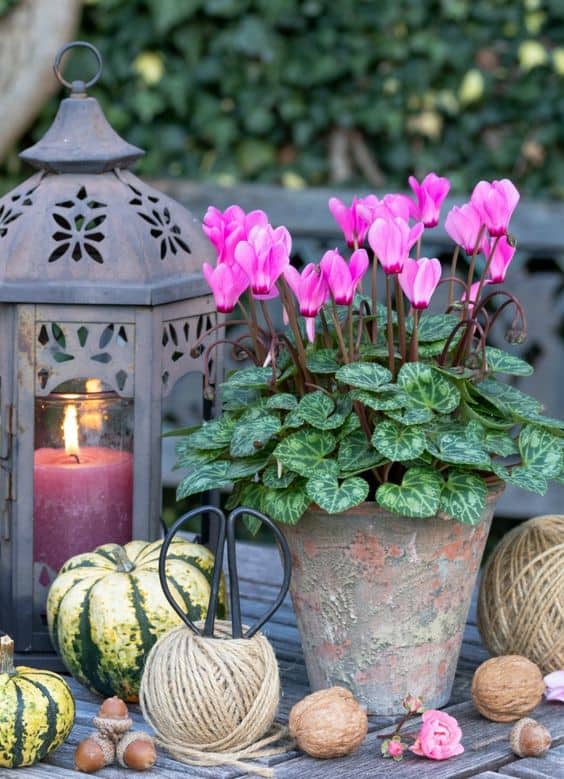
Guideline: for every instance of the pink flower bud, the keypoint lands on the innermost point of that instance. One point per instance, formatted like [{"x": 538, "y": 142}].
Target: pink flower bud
[{"x": 412, "y": 704}]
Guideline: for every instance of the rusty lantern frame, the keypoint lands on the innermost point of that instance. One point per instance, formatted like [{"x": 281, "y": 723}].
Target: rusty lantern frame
[{"x": 99, "y": 278}]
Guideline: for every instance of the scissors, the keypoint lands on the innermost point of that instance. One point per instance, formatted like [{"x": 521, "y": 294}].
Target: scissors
[{"x": 226, "y": 531}]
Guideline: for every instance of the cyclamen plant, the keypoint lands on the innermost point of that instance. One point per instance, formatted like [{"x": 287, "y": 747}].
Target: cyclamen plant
[{"x": 356, "y": 400}]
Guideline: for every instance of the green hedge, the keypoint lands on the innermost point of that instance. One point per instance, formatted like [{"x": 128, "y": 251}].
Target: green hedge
[{"x": 255, "y": 89}]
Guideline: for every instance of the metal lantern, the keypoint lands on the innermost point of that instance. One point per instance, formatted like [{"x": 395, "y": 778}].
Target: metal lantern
[{"x": 101, "y": 305}]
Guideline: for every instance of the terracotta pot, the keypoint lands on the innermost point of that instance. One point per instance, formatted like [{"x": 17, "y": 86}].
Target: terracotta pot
[{"x": 381, "y": 600}]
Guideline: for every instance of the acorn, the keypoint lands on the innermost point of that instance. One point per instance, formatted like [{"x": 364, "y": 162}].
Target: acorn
[
  {"x": 94, "y": 753},
  {"x": 528, "y": 738},
  {"x": 113, "y": 718},
  {"x": 136, "y": 749}
]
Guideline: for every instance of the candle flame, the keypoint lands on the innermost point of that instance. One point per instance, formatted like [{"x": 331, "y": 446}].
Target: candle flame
[
  {"x": 93, "y": 385},
  {"x": 70, "y": 431}
]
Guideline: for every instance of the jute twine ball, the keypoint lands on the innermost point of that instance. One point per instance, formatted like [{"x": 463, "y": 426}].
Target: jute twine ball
[
  {"x": 521, "y": 599},
  {"x": 212, "y": 701}
]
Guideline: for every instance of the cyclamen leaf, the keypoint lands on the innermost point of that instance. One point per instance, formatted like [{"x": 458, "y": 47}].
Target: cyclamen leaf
[
  {"x": 540, "y": 450},
  {"x": 427, "y": 388},
  {"x": 315, "y": 407},
  {"x": 460, "y": 451},
  {"x": 336, "y": 498},
  {"x": 206, "y": 477},
  {"x": 411, "y": 416},
  {"x": 238, "y": 398},
  {"x": 286, "y": 506},
  {"x": 365, "y": 375},
  {"x": 186, "y": 456},
  {"x": 213, "y": 435},
  {"x": 250, "y": 377},
  {"x": 486, "y": 416},
  {"x": 382, "y": 401},
  {"x": 499, "y": 361},
  {"x": 323, "y": 361},
  {"x": 463, "y": 497},
  {"x": 417, "y": 496},
  {"x": 270, "y": 478},
  {"x": 507, "y": 398},
  {"x": 434, "y": 327},
  {"x": 283, "y": 401},
  {"x": 251, "y": 434},
  {"x": 356, "y": 454},
  {"x": 248, "y": 466},
  {"x": 398, "y": 443},
  {"x": 305, "y": 450},
  {"x": 526, "y": 478}
]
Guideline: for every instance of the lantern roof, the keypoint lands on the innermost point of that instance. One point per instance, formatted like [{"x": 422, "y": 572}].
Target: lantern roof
[{"x": 84, "y": 229}]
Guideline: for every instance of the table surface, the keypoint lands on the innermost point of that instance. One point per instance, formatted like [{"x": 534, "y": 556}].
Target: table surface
[{"x": 487, "y": 754}]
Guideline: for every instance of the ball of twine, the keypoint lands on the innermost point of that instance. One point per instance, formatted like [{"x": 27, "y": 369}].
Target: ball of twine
[
  {"x": 212, "y": 701},
  {"x": 521, "y": 599}
]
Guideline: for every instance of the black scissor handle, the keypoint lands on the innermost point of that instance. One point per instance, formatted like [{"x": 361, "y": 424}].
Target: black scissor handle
[
  {"x": 212, "y": 605},
  {"x": 235, "y": 601}
]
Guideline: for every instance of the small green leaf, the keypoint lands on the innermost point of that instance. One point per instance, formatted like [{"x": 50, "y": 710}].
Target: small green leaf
[
  {"x": 351, "y": 423},
  {"x": 270, "y": 478},
  {"x": 382, "y": 401},
  {"x": 459, "y": 450},
  {"x": 463, "y": 497},
  {"x": 238, "y": 398},
  {"x": 336, "y": 498},
  {"x": 315, "y": 407},
  {"x": 305, "y": 450},
  {"x": 293, "y": 419},
  {"x": 248, "y": 466},
  {"x": 364, "y": 375},
  {"x": 486, "y": 415},
  {"x": 186, "y": 456},
  {"x": 427, "y": 388},
  {"x": 398, "y": 443},
  {"x": 250, "y": 377},
  {"x": 287, "y": 506},
  {"x": 323, "y": 361},
  {"x": 206, "y": 477},
  {"x": 417, "y": 496},
  {"x": 507, "y": 398},
  {"x": 540, "y": 419},
  {"x": 540, "y": 450},
  {"x": 499, "y": 361},
  {"x": 433, "y": 327},
  {"x": 252, "y": 433},
  {"x": 213, "y": 435},
  {"x": 283, "y": 401},
  {"x": 528, "y": 479},
  {"x": 411, "y": 416},
  {"x": 356, "y": 454}
]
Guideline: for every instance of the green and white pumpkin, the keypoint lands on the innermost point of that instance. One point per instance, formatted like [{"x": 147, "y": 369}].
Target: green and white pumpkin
[
  {"x": 36, "y": 711},
  {"x": 106, "y": 609}
]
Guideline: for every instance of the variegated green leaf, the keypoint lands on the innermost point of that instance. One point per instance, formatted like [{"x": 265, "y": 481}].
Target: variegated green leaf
[
  {"x": 305, "y": 450},
  {"x": 323, "y": 361},
  {"x": 506, "y": 397},
  {"x": 250, "y": 377},
  {"x": 434, "y": 327},
  {"x": 213, "y": 435},
  {"x": 293, "y": 419},
  {"x": 364, "y": 375},
  {"x": 238, "y": 398},
  {"x": 382, "y": 401},
  {"x": 252, "y": 432},
  {"x": 276, "y": 480},
  {"x": 428, "y": 388},
  {"x": 315, "y": 407},
  {"x": 286, "y": 506},
  {"x": 411, "y": 416},
  {"x": 540, "y": 450},
  {"x": 499, "y": 361},
  {"x": 463, "y": 497},
  {"x": 283, "y": 401},
  {"x": 417, "y": 496},
  {"x": 248, "y": 466},
  {"x": 486, "y": 415},
  {"x": 398, "y": 443},
  {"x": 356, "y": 454},
  {"x": 186, "y": 456},
  {"x": 526, "y": 478},
  {"x": 541, "y": 419},
  {"x": 205, "y": 477},
  {"x": 459, "y": 450},
  {"x": 351, "y": 423},
  {"x": 335, "y": 498}
]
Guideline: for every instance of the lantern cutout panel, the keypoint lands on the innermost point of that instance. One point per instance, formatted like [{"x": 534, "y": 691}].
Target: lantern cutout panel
[{"x": 103, "y": 309}]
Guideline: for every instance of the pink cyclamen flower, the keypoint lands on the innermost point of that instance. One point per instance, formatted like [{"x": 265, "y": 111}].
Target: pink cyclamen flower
[
  {"x": 341, "y": 277},
  {"x": 227, "y": 282},
  {"x": 393, "y": 747},
  {"x": 353, "y": 221},
  {"x": 430, "y": 194},
  {"x": 495, "y": 202},
  {"x": 391, "y": 241},
  {"x": 554, "y": 686},
  {"x": 226, "y": 229},
  {"x": 263, "y": 257},
  {"x": 463, "y": 224},
  {"x": 439, "y": 737},
  {"x": 473, "y": 293},
  {"x": 419, "y": 279},
  {"x": 311, "y": 289},
  {"x": 503, "y": 254},
  {"x": 391, "y": 205}
]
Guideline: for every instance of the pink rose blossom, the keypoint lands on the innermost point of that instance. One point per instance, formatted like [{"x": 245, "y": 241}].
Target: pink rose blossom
[
  {"x": 227, "y": 282},
  {"x": 311, "y": 289},
  {"x": 503, "y": 254},
  {"x": 439, "y": 737},
  {"x": 419, "y": 279},
  {"x": 393, "y": 747},
  {"x": 430, "y": 194},
  {"x": 341, "y": 277},
  {"x": 495, "y": 202},
  {"x": 353, "y": 221},
  {"x": 555, "y": 686},
  {"x": 463, "y": 224},
  {"x": 391, "y": 241},
  {"x": 263, "y": 257}
]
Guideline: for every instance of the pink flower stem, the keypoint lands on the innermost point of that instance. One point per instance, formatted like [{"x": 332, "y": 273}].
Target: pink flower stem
[
  {"x": 391, "y": 345},
  {"x": 339, "y": 331},
  {"x": 400, "y": 725},
  {"x": 374, "y": 289},
  {"x": 418, "y": 250},
  {"x": 466, "y": 344},
  {"x": 486, "y": 268},
  {"x": 325, "y": 328},
  {"x": 453, "y": 274},
  {"x": 351, "y": 333},
  {"x": 401, "y": 319},
  {"x": 471, "y": 271},
  {"x": 414, "y": 345},
  {"x": 288, "y": 302}
]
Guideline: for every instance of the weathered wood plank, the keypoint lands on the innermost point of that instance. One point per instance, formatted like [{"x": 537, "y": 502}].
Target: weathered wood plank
[{"x": 551, "y": 766}]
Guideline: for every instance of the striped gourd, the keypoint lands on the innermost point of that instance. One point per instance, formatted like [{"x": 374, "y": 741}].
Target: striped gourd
[
  {"x": 106, "y": 609},
  {"x": 36, "y": 711}
]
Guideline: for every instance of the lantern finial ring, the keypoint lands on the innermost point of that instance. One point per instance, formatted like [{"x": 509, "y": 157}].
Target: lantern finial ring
[{"x": 77, "y": 86}]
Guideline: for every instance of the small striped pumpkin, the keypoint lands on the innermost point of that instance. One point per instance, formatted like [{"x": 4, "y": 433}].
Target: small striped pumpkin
[
  {"x": 36, "y": 711},
  {"x": 106, "y": 609}
]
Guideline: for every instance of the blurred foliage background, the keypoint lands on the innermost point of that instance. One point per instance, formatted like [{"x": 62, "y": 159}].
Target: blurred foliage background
[{"x": 315, "y": 92}]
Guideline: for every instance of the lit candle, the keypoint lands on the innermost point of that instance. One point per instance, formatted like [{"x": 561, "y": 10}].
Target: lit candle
[{"x": 82, "y": 499}]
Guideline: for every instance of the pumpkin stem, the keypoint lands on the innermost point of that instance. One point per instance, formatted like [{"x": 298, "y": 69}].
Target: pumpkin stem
[
  {"x": 123, "y": 563},
  {"x": 7, "y": 656}
]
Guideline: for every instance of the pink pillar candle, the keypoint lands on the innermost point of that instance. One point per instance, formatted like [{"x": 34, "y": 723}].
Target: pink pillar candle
[{"x": 80, "y": 505}]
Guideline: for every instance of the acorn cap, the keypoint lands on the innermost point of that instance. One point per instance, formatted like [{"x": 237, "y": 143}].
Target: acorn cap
[
  {"x": 136, "y": 750},
  {"x": 112, "y": 727},
  {"x": 529, "y": 738}
]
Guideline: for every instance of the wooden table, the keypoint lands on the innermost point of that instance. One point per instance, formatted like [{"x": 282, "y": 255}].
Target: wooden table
[{"x": 487, "y": 754}]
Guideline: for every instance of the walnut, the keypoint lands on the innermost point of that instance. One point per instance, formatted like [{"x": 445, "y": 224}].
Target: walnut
[
  {"x": 328, "y": 723},
  {"x": 506, "y": 688},
  {"x": 528, "y": 738}
]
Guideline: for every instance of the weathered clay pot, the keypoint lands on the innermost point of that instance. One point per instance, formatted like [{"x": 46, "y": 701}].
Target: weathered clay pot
[{"x": 381, "y": 601}]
